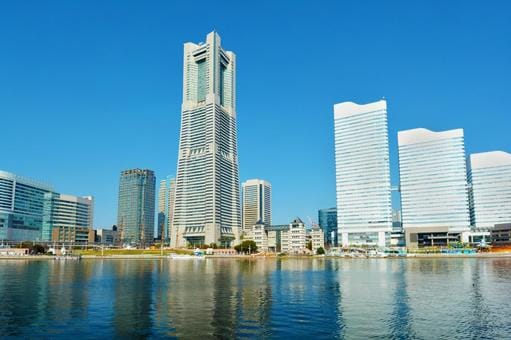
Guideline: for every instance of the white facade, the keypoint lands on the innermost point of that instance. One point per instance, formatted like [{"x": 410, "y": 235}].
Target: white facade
[
  {"x": 433, "y": 180},
  {"x": 207, "y": 205},
  {"x": 317, "y": 239},
  {"x": 490, "y": 178},
  {"x": 256, "y": 202},
  {"x": 364, "y": 212},
  {"x": 166, "y": 197},
  {"x": 294, "y": 239},
  {"x": 259, "y": 235}
]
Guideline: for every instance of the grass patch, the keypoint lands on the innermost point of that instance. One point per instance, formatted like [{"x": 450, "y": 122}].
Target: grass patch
[{"x": 113, "y": 252}]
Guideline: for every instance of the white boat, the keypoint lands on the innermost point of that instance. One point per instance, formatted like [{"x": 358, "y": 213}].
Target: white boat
[
  {"x": 185, "y": 257},
  {"x": 67, "y": 257}
]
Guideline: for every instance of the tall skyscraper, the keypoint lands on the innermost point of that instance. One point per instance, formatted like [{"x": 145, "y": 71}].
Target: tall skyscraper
[
  {"x": 327, "y": 219},
  {"x": 68, "y": 218},
  {"x": 166, "y": 197},
  {"x": 434, "y": 189},
  {"x": 21, "y": 207},
  {"x": 135, "y": 215},
  {"x": 364, "y": 213},
  {"x": 207, "y": 206},
  {"x": 490, "y": 178},
  {"x": 256, "y": 202}
]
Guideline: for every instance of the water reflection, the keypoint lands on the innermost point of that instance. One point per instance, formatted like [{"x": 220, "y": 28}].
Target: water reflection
[{"x": 257, "y": 298}]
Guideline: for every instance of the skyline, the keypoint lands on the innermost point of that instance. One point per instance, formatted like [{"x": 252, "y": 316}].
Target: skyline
[{"x": 100, "y": 132}]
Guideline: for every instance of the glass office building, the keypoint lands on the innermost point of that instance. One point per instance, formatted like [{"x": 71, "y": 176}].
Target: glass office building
[
  {"x": 434, "y": 188},
  {"x": 327, "y": 219},
  {"x": 166, "y": 197},
  {"x": 67, "y": 218},
  {"x": 364, "y": 213},
  {"x": 21, "y": 207},
  {"x": 256, "y": 203},
  {"x": 135, "y": 215},
  {"x": 490, "y": 178},
  {"x": 207, "y": 206}
]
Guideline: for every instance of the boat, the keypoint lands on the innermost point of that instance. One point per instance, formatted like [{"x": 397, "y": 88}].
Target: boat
[
  {"x": 185, "y": 257},
  {"x": 68, "y": 257}
]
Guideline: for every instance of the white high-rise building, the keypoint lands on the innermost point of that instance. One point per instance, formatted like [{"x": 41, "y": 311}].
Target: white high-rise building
[
  {"x": 490, "y": 177},
  {"x": 256, "y": 203},
  {"x": 364, "y": 212},
  {"x": 434, "y": 188},
  {"x": 207, "y": 206},
  {"x": 166, "y": 197}
]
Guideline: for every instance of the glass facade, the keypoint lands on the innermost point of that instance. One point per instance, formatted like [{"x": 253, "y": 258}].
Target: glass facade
[
  {"x": 256, "y": 203},
  {"x": 67, "y": 213},
  {"x": 490, "y": 179},
  {"x": 21, "y": 207},
  {"x": 166, "y": 197},
  {"x": 362, "y": 172},
  {"x": 433, "y": 180},
  {"x": 135, "y": 216},
  {"x": 327, "y": 219}
]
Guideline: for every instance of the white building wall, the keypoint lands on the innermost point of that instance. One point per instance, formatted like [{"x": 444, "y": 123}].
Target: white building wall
[
  {"x": 433, "y": 179},
  {"x": 490, "y": 179},
  {"x": 364, "y": 213}
]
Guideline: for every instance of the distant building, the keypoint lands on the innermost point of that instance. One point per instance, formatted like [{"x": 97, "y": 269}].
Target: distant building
[
  {"x": 317, "y": 239},
  {"x": 434, "y": 188},
  {"x": 107, "y": 236},
  {"x": 501, "y": 234},
  {"x": 68, "y": 218},
  {"x": 135, "y": 215},
  {"x": 207, "y": 206},
  {"x": 256, "y": 202},
  {"x": 294, "y": 239},
  {"x": 21, "y": 207},
  {"x": 364, "y": 213},
  {"x": 166, "y": 197},
  {"x": 490, "y": 179},
  {"x": 327, "y": 219},
  {"x": 259, "y": 234}
]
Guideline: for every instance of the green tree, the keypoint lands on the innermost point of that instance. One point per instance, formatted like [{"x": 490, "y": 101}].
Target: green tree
[
  {"x": 247, "y": 246},
  {"x": 320, "y": 251}
]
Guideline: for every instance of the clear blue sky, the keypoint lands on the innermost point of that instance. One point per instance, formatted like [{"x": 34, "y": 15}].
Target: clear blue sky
[{"x": 89, "y": 88}]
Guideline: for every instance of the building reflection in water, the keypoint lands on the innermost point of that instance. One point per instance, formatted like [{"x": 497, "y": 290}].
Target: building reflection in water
[
  {"x": 133, "y": 301},
  {"x": 401, "y": 326}
]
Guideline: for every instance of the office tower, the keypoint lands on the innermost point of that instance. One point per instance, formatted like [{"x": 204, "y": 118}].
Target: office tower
[
  {"x": 207, "y": 206},
  {"x": 21, "y": 207},
  {"x": 67, "y": 218},
  {"x": 256, "y": 203},
  {"x": 166, "y": 196},
  {"x": 327, "y": 219},
  {"x": 135, "y": 214},
  {"x": 364, "y": 213},
  {"x": 490, "y": 178},
  {"x": 434, "y": 190}
]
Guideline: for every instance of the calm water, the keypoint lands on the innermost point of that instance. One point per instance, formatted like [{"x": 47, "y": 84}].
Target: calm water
[{"x": 226, "y": 298}]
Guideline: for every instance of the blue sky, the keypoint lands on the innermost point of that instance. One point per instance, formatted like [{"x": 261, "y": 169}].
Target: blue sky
[{"x": 89, "y": 88}]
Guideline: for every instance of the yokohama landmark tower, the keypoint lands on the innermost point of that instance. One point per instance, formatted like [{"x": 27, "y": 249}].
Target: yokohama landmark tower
[{"x": 207, "y": 201}]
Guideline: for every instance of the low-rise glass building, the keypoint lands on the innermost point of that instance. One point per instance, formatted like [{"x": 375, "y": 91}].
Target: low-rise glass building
[{"x": 21, "y": 207}]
